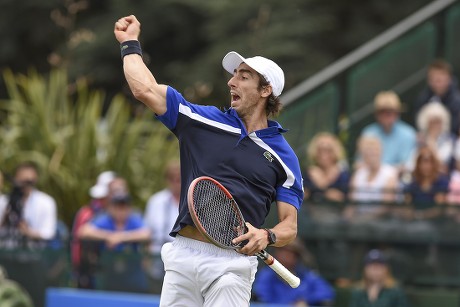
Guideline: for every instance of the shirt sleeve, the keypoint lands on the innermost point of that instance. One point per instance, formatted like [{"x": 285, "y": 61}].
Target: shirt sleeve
[
  {"x": 173, "y": 101},
  {"x": 48, "y": 227},
  {"x": 291, "y": 191},
  {"x": 176, "y": 104}
]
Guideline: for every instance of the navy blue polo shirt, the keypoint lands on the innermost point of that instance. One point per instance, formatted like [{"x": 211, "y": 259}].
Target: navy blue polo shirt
[{"x": 257, "y": 168}]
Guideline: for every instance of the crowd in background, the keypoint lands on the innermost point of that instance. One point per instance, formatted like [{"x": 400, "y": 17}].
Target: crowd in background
[
  {"x": 414, "y": 169},
  {"x": 394, "y": 161}
]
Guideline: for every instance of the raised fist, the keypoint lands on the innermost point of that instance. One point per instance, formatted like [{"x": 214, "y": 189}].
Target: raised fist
[{"x": 127, "y": 28}]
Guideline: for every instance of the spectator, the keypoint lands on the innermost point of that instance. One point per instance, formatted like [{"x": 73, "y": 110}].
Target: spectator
[
  {"x": 97, "y": 204},
  {"x": 377, "y": 287},
  {"x": 120, "y": 226},
  {"x": 161, "y": 214},
  {"x": 373, "y": 180},
  {"x": 429, "y": 187},
  {"x": 313, "y": 290},
  {"x": 122, "y": 232},
  {"x": 373, "y": 185},
  {"x": 32, "y": 211},
  {"x": 433, "y": 123},
  {"x": 442, "y": 87},
  {"x": 327, "y": 178},
  {"x": 162, "y": 208},
  {"x": 398, "y": 138}
]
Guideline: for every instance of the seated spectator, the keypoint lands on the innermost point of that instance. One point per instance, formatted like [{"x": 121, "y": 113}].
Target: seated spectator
[
  {"x": 99, "y": 193},
  {"x": 122, "y": 233},
  {"x": 327, "y": 178},
  {"x": 377, "y": 287},
  {"x": 119, "y": 228},
  {"x": 442, "y": 87},
  {"x": 428, "y": 188},
  {"x": 312, "y": 291},
  {"x": 373, "y": 186},
  {"x": 373, "y": 181},
  {"x": 398, "y": 139},
  {"x": 29, "y": 210},
  {"x": 433, "y": 123}
]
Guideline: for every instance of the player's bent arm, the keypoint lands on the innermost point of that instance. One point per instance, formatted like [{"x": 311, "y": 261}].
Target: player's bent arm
[
  {"x": 286, "y": 229},
  {"x": 143, "y": 84}
]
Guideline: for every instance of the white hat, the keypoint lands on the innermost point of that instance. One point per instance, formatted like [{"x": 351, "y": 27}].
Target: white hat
[
  {"x": 101, "y": 188},
  {"x": 267, "y": 68}
]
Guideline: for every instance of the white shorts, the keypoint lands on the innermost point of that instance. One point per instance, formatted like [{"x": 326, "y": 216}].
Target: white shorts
[{"x": 202, "y": 274}]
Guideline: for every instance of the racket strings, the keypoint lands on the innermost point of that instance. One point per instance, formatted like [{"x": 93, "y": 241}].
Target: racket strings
[{"x": 216, "y": 213}]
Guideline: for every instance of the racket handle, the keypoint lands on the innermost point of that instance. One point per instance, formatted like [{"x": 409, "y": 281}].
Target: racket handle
[{"x": 279, "y": 269}]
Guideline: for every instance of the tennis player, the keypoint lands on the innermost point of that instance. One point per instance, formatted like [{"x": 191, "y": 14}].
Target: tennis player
[{"x": 243, "y": 150}]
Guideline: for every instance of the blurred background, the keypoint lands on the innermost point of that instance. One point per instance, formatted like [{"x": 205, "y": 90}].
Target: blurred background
[{"x": 66, "y": 107}]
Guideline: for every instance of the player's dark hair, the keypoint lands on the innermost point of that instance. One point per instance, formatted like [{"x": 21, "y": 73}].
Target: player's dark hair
[{"x": 274, "y": 105}]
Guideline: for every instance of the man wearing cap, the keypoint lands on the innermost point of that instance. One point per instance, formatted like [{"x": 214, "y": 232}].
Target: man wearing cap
[
  {"x": 120, "y": 229},
  {"x": 120, "y": 224},
  {"x": 398, "y": 138},
  {"x": 240, "y": 148}
]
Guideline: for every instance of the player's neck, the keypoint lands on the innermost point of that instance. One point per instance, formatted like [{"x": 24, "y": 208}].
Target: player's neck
[{"x": 256, "y": 121}]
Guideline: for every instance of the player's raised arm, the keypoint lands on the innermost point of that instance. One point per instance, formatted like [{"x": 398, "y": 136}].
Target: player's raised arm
[{"x": 141, "y": 81}]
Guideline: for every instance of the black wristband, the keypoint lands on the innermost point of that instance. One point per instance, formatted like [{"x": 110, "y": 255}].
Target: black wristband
[{"x": 130, "y": 47}]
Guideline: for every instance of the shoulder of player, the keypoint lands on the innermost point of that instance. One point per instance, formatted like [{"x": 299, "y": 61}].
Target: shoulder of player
[{"x": 281, "y": 147}]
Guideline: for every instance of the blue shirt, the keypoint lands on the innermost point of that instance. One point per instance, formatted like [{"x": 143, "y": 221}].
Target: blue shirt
[
  {"x": 317, "y": 195},
  {"x": 313, "y": 289},
  {"x": 106, "y": 222},
  {"x": 425, "y": 199},
  {"x": 257, "y": 168},
  {"x": 398, "y": 145}
]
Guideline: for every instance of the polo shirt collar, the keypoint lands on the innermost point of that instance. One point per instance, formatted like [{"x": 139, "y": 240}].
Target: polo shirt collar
[{"x": 273, "y": 126}]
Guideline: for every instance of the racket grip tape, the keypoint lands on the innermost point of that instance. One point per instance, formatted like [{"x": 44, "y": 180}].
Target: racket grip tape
[{"x": 284, "y": 273}]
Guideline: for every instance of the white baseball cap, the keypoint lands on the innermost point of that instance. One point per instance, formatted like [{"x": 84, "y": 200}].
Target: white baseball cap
[
  {"x": 101, "y": 188},
  {"x": 267, "y": 68}
]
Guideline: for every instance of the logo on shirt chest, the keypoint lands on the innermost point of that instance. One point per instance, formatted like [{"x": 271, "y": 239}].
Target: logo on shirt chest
[{"x": 268, "y": 156}]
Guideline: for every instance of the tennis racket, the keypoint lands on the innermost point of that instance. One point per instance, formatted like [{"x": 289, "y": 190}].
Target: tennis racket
[{"x": 217, "y": 216}]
